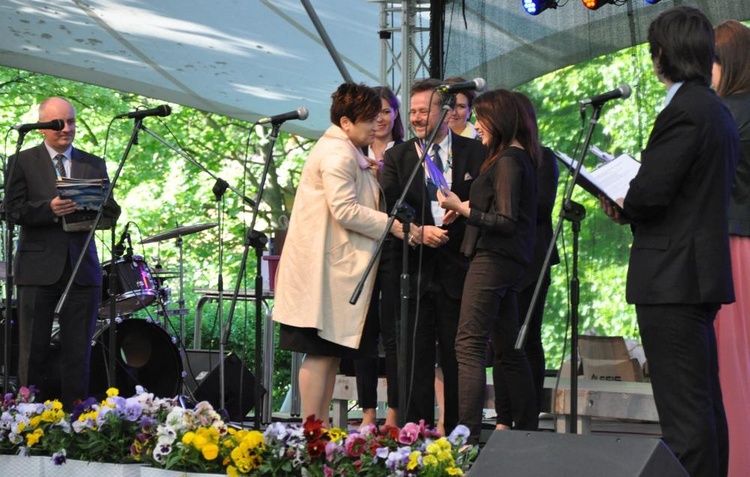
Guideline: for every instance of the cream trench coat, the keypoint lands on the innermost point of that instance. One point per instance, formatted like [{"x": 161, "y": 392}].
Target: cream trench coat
[{"x": 333, "y": 232}]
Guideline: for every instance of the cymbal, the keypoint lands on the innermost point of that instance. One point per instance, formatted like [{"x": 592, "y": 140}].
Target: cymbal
[
  {"x": 158, "y": 272},
  {"x": 178, "y": 232},
  {"x": 164, "y": 274}
]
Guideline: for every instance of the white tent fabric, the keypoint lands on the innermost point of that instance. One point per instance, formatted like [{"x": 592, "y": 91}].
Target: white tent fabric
[{"x": 241, "y": 58}]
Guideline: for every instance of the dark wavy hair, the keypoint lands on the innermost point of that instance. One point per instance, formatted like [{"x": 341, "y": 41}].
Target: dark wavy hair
[
  {"x": 681, "y": 41},
  {"x": 500, "y": 111},
  {"x": 397, "y": 134},
  {"x": 355, "y": 101},
  {"x": 532, "y": 124},
  {"x": 470, "y": 94},
  {"x": 732, "y": 47}
]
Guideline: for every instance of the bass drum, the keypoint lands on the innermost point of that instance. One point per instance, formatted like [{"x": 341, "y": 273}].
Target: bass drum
[{"x": 145, "y": 355}]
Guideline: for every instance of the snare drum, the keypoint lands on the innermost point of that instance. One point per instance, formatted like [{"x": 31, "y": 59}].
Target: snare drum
[{"x": 133, "y": 290}]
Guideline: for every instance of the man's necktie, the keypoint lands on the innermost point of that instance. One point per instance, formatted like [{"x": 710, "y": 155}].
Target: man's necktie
[
  {"x": 59, "y": 165},
  {"x": 431, "y": 187},
  {"x": 436, "y": 157}
]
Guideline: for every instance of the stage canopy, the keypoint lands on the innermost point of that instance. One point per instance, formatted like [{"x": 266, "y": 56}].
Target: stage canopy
[
  {"x": 253, "y": 58},
  {"x": 499, "y": 41}
]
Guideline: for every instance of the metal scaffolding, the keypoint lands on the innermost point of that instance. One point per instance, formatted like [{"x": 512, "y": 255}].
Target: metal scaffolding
[{"x": 405, "y": 47}]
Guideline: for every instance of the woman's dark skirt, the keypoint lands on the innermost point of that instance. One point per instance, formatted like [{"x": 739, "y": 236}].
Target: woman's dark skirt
[{"x": 307, "y": 340}]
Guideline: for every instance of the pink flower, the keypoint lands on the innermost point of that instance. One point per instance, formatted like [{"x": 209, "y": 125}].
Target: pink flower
[{"x": 409, "y": 433}]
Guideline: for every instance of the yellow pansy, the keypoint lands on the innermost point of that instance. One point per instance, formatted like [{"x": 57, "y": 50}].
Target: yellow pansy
[
  {"x": 210, "y": 451},
  {"x": 413, "y": 460}
]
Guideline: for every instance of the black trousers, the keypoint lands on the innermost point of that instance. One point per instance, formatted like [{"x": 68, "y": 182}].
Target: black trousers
[
  {"x": 680, "y": 347},
  {"x": 384, "y": 305},
  {"x": 532, "y": 347},
  {"x": 489, "y": 309},
  {"x": 435, "y": 324},
  {"x": 77, "y": 320}
]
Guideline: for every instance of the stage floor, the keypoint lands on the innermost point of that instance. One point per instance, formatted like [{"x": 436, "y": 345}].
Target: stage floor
[{"x": 599, "y": 426}]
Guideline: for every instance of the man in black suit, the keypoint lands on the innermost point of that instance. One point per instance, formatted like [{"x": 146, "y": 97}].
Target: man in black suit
[
  {"x": 437, "y": 269},
  {"x": 46, "y": 256},
  {"x": 680, "y": 271}
]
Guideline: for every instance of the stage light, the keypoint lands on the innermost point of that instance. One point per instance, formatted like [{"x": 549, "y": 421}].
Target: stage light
[
  {"x": 596, "y": 4},
  {"x": 653, "y": 2},
  {"x": 535, "y": 7}
]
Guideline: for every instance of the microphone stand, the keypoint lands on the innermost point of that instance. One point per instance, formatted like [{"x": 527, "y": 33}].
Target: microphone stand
[
  {"x": 111, "y": 379},
  {"x": 220, "y": 186},
  {"x": 257, "y": 240},
  {"x": 574, "y": 213},
  {"x": 406, "y": 215},
  {"x": 7, "y": 307},
  {"x": 197, "y": 164}
]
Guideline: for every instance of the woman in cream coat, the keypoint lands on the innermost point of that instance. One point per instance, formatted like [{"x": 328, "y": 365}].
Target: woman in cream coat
[{"x": 334, "y": 229}]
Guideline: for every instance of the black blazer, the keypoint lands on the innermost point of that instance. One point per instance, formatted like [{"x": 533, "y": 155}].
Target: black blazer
[
  {"x": 739, "y": 203},
  {"x": 445, "y": 263},
  {"x": 678, "y": 203},
  {"x": 547, "y": 175},
  {"x": 43, "y": 246}
]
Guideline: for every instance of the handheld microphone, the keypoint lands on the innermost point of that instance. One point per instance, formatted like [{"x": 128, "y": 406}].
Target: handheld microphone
[
  {"x": 161, "y": 111},
  {"x": 477, "y": 84},
  {"x": 623, "y": 91},
  {"x": 54, "y": 125},
  {"x": 299, "y": 113}
]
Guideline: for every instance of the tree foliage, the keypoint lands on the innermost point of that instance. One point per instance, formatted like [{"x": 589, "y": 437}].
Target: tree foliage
[{"x": 604, "y": 247}]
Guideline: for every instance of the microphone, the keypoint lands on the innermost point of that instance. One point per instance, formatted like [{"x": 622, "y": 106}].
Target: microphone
[
  {"x": 54, "y": 125},
  {"x": 299, "y": 113},
  {"x": 477, "y": 84},
  {"x": 623, "y": 91},
  {"x": 120, "y": 247},
  {"x": 161, "y": 111}
]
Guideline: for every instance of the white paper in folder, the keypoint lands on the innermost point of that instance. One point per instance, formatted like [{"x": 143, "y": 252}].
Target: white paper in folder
[
  {"x": 611, "y": 179},
  {"x": 614, "y": 177}
]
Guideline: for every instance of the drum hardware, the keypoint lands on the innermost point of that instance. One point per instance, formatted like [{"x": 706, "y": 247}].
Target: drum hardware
[
  {"x": 180, "y": 312},
  {"x": 176, "y": 233},
  {"x": 164, "y": 295}
]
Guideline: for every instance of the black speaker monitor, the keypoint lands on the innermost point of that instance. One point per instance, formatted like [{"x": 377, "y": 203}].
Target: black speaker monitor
[
  {"x": 534, "y": 454},
  {"x": 202, "y": 379}
]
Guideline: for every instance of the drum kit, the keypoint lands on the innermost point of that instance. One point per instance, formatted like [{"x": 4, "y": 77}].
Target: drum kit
[
  {"x": 138, "y": 286},
  {"x": 146, "y": 353}
]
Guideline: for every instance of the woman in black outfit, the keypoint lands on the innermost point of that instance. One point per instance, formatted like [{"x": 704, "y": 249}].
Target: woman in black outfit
[
  {"x": 384, "y": 303},
  {"x": 500, "y": 236}
]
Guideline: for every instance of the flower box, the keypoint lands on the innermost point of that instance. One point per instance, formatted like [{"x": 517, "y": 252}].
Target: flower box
[
  {"x": 22, "y": 465},
  {"x": 81, "y": 468},
  {"x": 156, "y": 472}
]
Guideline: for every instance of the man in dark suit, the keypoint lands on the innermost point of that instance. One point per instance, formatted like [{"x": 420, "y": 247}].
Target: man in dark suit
[
  {"x": 46, "y": 256},
  {"x": 436, "y": 267},
  {"x": 680, "y": 271}
]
